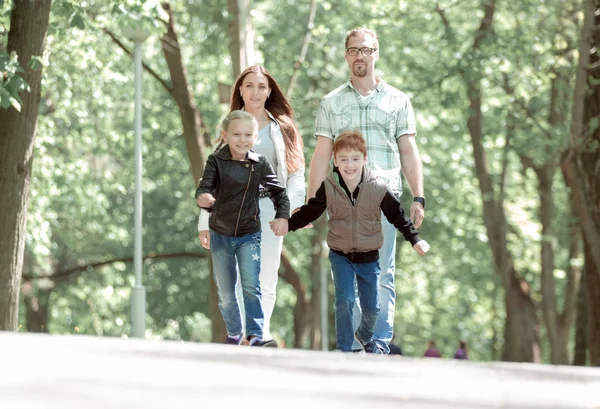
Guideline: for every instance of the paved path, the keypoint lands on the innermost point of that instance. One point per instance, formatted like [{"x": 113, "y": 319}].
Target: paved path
[{"x": 68, "y": 372}]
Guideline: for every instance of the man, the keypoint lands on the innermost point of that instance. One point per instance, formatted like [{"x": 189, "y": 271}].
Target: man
[{"x": 385, "y": 117}]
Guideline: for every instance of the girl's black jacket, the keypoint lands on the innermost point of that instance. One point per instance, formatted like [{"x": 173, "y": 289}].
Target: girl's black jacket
[{"x": 235, "y": 187}]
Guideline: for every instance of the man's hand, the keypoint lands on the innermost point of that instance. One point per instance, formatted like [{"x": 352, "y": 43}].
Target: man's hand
[
  {"x": 205, "y": 200},
  {"x": 279, "y": 226},
  {"x": 204, "y": 239},
  {"x": 417, "y": 214}
]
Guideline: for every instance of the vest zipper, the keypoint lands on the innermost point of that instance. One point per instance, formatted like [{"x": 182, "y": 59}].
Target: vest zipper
[{"x": 237, "y": 223}]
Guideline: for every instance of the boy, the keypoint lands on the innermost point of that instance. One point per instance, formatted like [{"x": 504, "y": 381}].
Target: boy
[{"x": 354, "y": 200}]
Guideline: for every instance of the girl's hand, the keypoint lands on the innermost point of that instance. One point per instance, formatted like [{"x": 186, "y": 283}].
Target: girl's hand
[
  {"x": 421, "y": 247},
  {"x": 279, "y": 226},
  {"x": 204, "y": 239},
  {"x": 205, "y": 200}
]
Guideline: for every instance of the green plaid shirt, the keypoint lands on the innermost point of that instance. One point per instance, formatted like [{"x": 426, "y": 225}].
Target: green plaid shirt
[{"x": 382, "y": 117}]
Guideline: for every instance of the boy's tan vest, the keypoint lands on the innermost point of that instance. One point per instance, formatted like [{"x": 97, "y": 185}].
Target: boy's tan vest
[{"x": 355, "y": 228}]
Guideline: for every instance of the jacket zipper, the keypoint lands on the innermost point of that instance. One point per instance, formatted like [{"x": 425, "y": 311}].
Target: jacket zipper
[
  {"x": 354, "y": 233},
  {"x": 353, "y": 206},
  {"x": 237, "y": 223}
]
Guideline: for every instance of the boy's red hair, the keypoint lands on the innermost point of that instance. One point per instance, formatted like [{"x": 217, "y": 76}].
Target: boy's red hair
[{"x": 350, "y": 140}]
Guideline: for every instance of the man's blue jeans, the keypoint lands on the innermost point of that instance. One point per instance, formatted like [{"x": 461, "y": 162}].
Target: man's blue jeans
[
  {"x": 245, "y": 251},
  {"x": 384, "y": 327},
  {"x": 366, "y": 277}
]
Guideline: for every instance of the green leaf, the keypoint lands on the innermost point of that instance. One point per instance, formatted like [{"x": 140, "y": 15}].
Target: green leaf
[
  {"x": 593, "y": 124},
  {"x": 77, "y": 21},
  {"x": 35, "y": 62},
  {"x": 15, "y": 104},
  {"x": 6, "y": 100}
]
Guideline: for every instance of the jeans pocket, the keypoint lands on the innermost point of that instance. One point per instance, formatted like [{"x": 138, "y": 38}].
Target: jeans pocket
[{"x": 257, "y": 238}]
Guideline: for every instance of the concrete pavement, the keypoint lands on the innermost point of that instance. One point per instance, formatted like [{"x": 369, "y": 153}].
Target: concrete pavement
[{"x": 52, "y": 372}]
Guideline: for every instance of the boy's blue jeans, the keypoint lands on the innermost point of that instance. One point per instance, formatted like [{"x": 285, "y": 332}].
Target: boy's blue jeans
[
  {"x": 245, "y": 251},
  {"x": 366, "y": 276},
  {"x": 384, "y": 327}
]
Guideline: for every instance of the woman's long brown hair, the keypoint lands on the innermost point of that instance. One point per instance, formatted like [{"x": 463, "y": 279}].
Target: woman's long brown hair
[{"x": 280, "y": 108}]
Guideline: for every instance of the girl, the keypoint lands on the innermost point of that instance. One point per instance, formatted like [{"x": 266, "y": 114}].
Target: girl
[
  {"x": 256, "y": 91},
  {"x": 229, "y": 189}
]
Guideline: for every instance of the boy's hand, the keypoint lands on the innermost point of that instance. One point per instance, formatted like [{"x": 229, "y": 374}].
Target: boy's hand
[
  {"x": 205, "y": 200},
  {"x": 204, "y": 239},
  {"x": 279, "y": 226},
  {"x": 421, "y": 247}
]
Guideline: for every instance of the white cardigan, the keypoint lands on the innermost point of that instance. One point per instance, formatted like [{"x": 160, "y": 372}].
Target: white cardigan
[{"x": 293, "y": 182}]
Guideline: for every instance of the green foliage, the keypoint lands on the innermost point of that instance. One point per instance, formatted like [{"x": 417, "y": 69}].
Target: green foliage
[
  {"x": 12, "y": 83},
  {"x": 81, "y": 202}
]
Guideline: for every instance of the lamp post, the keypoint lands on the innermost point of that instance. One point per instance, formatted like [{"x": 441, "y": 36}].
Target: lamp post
[{"x": 138, "y": 295}]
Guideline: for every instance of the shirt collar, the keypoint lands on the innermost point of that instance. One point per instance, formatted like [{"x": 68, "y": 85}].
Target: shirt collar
[{"x": 378, "y": 88}]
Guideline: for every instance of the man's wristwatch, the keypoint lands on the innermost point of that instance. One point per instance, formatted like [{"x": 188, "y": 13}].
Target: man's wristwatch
[{"x": 419, "y": 199}]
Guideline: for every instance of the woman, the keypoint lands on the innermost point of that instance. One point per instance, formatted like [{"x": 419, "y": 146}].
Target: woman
[{"x": 257, "y": 92}]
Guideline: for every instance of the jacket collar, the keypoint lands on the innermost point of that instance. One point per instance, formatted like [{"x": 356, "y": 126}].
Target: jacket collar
[{"x": 225, "y": 154}]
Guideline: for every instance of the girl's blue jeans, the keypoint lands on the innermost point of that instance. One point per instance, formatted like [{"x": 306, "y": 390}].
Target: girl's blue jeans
[{"x": 229, "y": 252}]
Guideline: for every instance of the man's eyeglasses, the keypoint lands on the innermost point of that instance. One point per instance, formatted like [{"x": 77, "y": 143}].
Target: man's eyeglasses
[{"x": 365, "y": 50}]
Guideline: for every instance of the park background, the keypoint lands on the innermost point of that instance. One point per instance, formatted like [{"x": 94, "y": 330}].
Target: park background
[{"x": 507, "y": 119}]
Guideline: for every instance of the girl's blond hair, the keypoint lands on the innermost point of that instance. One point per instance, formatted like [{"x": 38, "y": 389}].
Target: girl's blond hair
[{"x": 224, "y": 125}]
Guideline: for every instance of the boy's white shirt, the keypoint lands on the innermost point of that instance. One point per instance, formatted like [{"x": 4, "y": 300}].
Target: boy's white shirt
[{"x": 293, "y": 182}]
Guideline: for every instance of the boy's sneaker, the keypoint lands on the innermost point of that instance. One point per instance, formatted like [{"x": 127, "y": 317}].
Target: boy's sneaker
[
  {"x": 235, "y": 340},
  {"x": 259, "y": 342},
  {"x": 374, "y": 348}
]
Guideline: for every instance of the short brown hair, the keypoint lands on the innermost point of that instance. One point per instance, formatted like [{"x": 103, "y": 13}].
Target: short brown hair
[
  {"x": 350, "y": 140},
  {"x": 361, "y": 31}
]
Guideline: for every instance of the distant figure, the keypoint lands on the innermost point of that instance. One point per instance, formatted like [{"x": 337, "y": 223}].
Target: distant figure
[
  {"x": 395, "y": 349},
  {"x": 432, "y": 351},
  {"x": 461, "y": 352}
]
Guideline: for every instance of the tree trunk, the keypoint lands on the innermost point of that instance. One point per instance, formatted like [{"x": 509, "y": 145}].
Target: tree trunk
[
  {"x": 28, "y": 28},
  {"x": 593, "y": 301},
  {"x": 581, "y": 324},
  {"x": 302, "y": 310},
  {"x": 218, "y": 328},
  {"x": 303, "y": 50},
  {"x": 586, "y": 171},
  {"x": 317, "y": 263},
  {"x": 190, "y": 116},
  {"x": 520, "y": 327},
  {"x": 36, "y": 310},
  {"x": 519, "y": 330},
  {"x": 558, "y": 324},
  {"x": 545, "y": 176},
  {"x": 579, "y": 163},
  {"x": 241, "y": 36}
]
